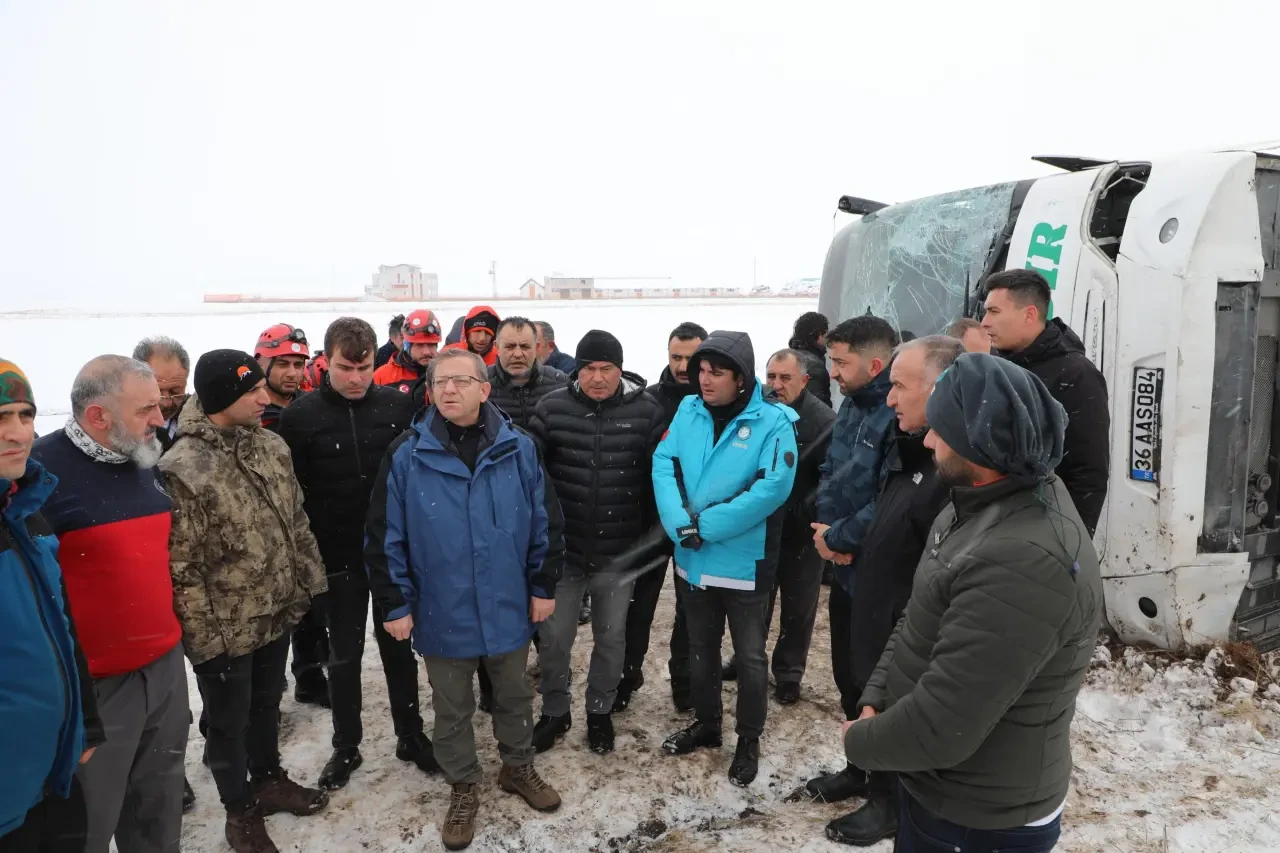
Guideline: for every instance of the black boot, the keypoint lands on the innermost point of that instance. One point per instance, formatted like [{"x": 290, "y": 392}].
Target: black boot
[
  {"x": 746, "y": 762},
  {"x": 700, "y": 734},
  {"x": 549, "y": 730},
  {"x": 787, "y": 692},
  {"x": 311, "y": 688},
  {"x": 417, "y": 749},
  {"x": 188, "y": 796},
  {"x": 600, "y": 733},
  {"x": 628, "y": 685},
  {"x": 729, "y": 672},
  {"x": 875, "y": 821},
  {"x": 841, "y": 785},
  {"x": 337, "y": 771}
]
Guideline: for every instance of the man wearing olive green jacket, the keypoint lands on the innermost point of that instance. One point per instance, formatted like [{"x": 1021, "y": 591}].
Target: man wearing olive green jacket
[{"x": 972, "y": 700}]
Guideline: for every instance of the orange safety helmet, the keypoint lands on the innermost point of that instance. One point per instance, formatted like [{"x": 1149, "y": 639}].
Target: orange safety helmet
[
  {"x": 420, "y": 327},
  {"x": 282, "y": 339}
]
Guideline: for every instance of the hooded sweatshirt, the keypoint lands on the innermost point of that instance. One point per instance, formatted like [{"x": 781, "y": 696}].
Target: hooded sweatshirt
[{"x": 728, "y": 489}]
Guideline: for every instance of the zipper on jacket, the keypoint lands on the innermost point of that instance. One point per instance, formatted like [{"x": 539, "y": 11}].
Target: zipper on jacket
[
  {"x": 48, "y": 631},
  {"x": 355, "y": 440},
  {"x": 595, "y": 472}
]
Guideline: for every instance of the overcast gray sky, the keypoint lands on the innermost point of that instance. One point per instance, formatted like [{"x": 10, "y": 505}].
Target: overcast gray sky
[{"x": 159, "y": 150}]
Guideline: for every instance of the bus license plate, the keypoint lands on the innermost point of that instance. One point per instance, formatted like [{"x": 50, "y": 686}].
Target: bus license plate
[{"x": 1144, "y": 425}]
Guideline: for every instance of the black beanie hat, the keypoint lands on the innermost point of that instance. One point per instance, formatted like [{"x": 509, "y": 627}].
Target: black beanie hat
[
  {"x": 998, "y": 415},
  {"x": 599, "y": 346},
  {"x": 224, "y": 376}
]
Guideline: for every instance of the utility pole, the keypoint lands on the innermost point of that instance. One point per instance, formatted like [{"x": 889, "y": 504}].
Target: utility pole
[{"x": 493, "y": 277}]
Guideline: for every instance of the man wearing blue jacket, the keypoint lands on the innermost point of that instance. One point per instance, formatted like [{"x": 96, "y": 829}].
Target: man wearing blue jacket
[
  {"x": 860, "y": 350},
  {"x": 48, "y": 713},
  {"x": 464, "y": 548},
  {"x": 721, "y": 475}
]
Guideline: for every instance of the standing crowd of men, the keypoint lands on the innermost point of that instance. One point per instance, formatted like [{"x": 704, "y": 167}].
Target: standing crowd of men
[{"x": 494, "y": 492}]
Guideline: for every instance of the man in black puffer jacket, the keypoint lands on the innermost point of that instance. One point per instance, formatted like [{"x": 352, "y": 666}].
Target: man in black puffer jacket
[
  {"x": 337, "y": 437},
  {"x": 809, "y": 336},
  {"x": 1018, "y": 301},
  {"x": 517, "y": 382},
  {"x": 597, "y": 436}
]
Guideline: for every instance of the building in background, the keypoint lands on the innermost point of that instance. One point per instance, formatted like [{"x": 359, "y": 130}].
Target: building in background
[
  {"x": 533, "y": 289},
  {"x": 567, "y": 287},
  {"x": 403, "y": 283}
]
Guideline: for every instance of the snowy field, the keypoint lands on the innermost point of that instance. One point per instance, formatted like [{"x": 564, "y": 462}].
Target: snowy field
[
  {"x": 1170, "y": 757},
  {"x": 51, "y": 345}
]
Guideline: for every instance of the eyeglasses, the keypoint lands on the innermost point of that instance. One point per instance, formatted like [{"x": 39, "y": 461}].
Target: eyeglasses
[
  {"x": 173, "y": 398},
  {"x": 297, "y": 336},
  {"x": 462, "y": 383}
]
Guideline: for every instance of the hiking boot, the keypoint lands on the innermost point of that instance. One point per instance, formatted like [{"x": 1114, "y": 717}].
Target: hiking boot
[
  {"x": 337, "y": 772},
  {"x": 696, "y": 736},
  {"x": 550, "y": 730},
  {"x": 188, "y": 796},
  {"x": 787, "y": 692},
  {"x": 279, "y": 793},
  {"x": 628, "y": 685},
  {"x": 584, "y": 612},
  {"x": 312, "y": 688},
  {"x": 746, "y": 762},
  {"x": 841, "y": 785},
  {"x": 875, "y": 821},
  {"x": 729, "y": 672},
  {"x": 459, "y": 825},
  {"x": 600, "y": 733},
  {"x": 246, "y": 832},
  {"x": 418, "y": 749},
  {"x": 526, "y": 782}
]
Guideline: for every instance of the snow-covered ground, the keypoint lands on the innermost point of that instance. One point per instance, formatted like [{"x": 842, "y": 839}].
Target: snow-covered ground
[{"x": 1165, "y": 761}]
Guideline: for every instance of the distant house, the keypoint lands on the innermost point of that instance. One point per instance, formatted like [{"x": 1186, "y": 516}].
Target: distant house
[
  {"x": 403, "y": 283},
  {"x": 533, "y": 289}
]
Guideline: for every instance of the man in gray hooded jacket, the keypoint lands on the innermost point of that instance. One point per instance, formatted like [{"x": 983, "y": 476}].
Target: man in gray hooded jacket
[{"x": 972, "y": 700}]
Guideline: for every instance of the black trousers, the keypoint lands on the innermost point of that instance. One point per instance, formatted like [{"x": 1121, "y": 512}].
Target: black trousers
[
  {"x": 800, "y": 582},
  {"x": 707, "y": 611},
  {"x": 347, "y": 614},
  {"x": 644, "y": 603},
  {"x": 840, "y": 609},
  {"x": 242, "y": 701},
  {"x": 310, "y": 647},
  {"x": 678, "y": 663},
  {"x": 53, "y": 825}
]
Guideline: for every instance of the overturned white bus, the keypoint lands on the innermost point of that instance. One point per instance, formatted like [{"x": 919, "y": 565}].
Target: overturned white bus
[{"x": 1169, "y": 272}]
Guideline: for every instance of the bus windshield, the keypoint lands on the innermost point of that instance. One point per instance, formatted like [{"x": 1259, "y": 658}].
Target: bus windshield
[{"x": 908, "y": 263}]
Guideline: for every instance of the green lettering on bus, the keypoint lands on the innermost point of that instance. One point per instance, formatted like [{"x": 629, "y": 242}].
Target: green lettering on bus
[{"x": 1046, "y": 244}]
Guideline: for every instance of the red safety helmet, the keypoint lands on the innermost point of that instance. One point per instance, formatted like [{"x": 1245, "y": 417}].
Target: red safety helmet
[
  {"x": 421, "y": 327},
  {"x": 282, "y": 339}
]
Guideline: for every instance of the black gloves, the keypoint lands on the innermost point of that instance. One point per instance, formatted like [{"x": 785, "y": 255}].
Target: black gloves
[{"x": 688, "y": 534}]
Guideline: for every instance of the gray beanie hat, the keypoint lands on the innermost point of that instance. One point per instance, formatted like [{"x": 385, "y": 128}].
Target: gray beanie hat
[{"x": 998, "y": 415}]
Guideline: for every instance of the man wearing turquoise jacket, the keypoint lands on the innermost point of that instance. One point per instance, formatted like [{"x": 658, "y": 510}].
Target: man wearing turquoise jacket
[{"x": 721, "y": 475}]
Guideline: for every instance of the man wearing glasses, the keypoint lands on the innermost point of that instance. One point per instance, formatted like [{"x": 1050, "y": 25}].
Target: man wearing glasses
[
  {"x": 170, "y": 363},
  {"x": 464, "y": 549}
]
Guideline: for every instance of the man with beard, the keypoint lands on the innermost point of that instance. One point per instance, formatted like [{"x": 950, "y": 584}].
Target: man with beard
[
  {"x": 171, "y": 365},
  {"x": 809, "y": 336},
  {"x": 478, "y": 329},
  {"x": 282, "y": 354},
  {"x": 518, "y": 380},
  {"x": 972, "y": 700},
  {"x": 112, "y": 518},
  {"x": 420, "y": 341},
  {"x": 49, "y": 722},
  {"x": 337, "y": 436},
  {"x": 910, "y": 498},
  {"x": 672, "y": 387}
]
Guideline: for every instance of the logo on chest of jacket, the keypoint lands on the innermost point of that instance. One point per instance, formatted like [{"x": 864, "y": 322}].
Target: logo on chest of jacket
[
  {"x": 917, "y": 477},
  {"x": 744, "y": 432},
  {"x": 404, "y": 389}
]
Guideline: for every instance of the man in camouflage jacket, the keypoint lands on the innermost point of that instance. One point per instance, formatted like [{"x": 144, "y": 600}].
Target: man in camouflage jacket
[{"x": 245, "y": 569}]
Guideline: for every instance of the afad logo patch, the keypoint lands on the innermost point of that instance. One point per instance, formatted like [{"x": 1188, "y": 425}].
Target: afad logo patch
[{"x": 242, "y": 371}]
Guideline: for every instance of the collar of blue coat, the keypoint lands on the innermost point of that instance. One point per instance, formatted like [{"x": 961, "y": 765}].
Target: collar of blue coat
[
  {"x": 433, "y": 438},
  {"x": 34, "y": 488},
  {"x": 755, "y": 406}
]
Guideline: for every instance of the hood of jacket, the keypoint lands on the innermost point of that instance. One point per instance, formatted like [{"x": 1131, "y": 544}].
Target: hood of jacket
[
  {"x": 734, "y": 346},
  {"x": 33, "y": 488},
  {"x": 194, "y": 422},
  {"x": 1055, "y": 341},
  {"x": 631, "y": 387},
  {"x": 540, "y": 373}
]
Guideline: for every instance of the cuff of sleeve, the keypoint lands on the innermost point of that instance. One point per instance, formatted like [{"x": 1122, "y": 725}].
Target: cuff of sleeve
[{"x": 398, "y": 613}]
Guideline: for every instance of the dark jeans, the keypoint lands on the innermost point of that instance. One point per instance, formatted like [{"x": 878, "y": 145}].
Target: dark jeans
[
  {"x": 242, "y": 698},
  {"x": 707, "y": 610},
  {"x": 310, "y": 647},
  {"x": 800, "y": 581},
  {"x": 840, "y": 608},
  {"x": 347, "y": 615},
  {"x": 921, "y": 832},
  {"x": 644, "y": 603},
  {"x": 53, "y": 825},
  {"x": 678, "y": 663}
]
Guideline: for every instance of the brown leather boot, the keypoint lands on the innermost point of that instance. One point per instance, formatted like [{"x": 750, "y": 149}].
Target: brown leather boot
[
  {"x": 279, "y": 793},
  {"x": 459, "y": 825},
  {"x": 246, "y": 833},
  {"x": 526, "y": 782}
]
